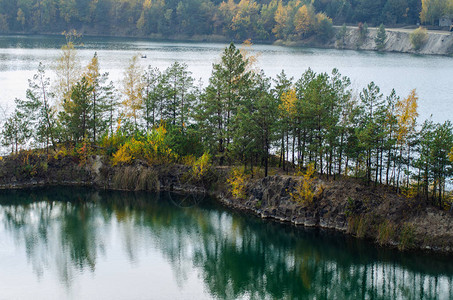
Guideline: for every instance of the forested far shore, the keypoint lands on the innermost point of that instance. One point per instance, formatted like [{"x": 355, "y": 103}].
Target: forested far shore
[
  {"x": 315, "y": 123},
  {"x": 246, "y": 19}
]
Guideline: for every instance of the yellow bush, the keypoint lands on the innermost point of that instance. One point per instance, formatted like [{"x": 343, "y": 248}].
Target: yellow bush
[
  {"x": 62, "y": 152},
  {"x": 188, "y": 160},
  {"x": 418, "y": 38},
  {"x": 303, "y": 191},
  {"x": 112, "y": 142},
  {"x": 201, "y": 165},
  {"x": 136, "y": 148},
  {"x": 238, "y": 181},
  {"x": 122, "y": 156},
  {"x": 156, "y": 150},
  {"x": 409, "y": 192},
  {"x": 152, "y": 148}
]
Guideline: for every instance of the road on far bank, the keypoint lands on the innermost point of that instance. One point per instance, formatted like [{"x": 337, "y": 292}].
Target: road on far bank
[{"x": 404, "y": 30}]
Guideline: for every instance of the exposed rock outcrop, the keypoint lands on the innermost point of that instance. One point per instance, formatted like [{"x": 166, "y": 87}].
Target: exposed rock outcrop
[
  {"x": 345, "y": 204},
  {"x": 398, "y": 40},
  {"x": 350, "y": 206}
]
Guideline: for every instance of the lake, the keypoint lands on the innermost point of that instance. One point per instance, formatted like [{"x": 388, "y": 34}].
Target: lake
[
  {"x": 430, "y": 75},
  {"x": 77, "y": 243}
]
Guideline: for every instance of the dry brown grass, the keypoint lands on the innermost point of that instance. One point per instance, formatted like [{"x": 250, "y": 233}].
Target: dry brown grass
[{"x": 136, "y": 179}]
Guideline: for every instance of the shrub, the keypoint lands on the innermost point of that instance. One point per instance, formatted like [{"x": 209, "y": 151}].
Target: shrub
[
  {"x": 409, "y": 192},
  {"x": 238, "y": 181},
  {"x": 418, "y": 38},
  {"x": 386, "y": 232},
  {"x": 341, "y": 35},
  {"x": 201, "y": 166},
  {"x": 83, "y": 151},
  {"x": 350, "y": 207},
  {"x": 381, "y": 37},
  {"x": 362, "y": 29},
  {"x": 122, "y": 156},
  {"x": 151, "y": 147},
  {"x": 188, "y": 160},
  {"x": 63, "y": 151},
  {"x": 407, "y": 237},
  {"x": 303, "y": 191},
  {"x": 111, "y": 143},
  {"x": 362, "y": 226}
]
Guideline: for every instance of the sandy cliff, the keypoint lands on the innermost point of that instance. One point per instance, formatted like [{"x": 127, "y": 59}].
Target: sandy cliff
[{"x": 438, "y": 43}]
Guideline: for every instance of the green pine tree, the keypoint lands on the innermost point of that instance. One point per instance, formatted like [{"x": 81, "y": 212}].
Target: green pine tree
[{"x": 381, "y": 38}]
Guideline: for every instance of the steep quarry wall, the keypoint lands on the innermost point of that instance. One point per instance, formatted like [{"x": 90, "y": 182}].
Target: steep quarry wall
[
  {"x": 349, "y": 205},
  {"x": 398, "y": 40}
]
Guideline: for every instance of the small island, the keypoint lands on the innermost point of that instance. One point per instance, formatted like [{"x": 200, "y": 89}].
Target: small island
[{"x": 305, "y": 151}]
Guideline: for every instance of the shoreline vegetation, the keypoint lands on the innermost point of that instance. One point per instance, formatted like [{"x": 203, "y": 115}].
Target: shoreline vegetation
[
  {"x": 309, "y": 151},
  {"x": 397, "y": 40},
  {"x": 293, "y": 22}
]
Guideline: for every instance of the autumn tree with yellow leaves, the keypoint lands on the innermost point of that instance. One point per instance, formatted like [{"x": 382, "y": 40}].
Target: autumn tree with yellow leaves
[
  {"x": 102, "y": 98},
  {"x": 287, "y": 107},
  {"x": 433, "y": 10},
  {"x": 246, "y": 19},
  {"x": 133, "y": 90},
  {"x": 406, "y": 115},
  {"x": 68, "y": 67},
  {"x": 304, "y": 20},
  {"x": 282, "y": 21},
  {"x": 303, "y": 192}
]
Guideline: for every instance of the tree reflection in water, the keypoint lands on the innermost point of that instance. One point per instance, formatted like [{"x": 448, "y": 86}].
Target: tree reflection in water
[{"x": 67, "y": 230}]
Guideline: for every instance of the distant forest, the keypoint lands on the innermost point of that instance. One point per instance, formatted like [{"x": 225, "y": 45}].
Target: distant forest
[{"x": 259, "y": 20}]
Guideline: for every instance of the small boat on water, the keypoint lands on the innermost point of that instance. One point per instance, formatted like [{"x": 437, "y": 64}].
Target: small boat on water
[{"x": 144, "y": 56}]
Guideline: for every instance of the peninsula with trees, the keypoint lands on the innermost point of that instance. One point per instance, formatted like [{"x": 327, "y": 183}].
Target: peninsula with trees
[{"x": 303, "y": 150}]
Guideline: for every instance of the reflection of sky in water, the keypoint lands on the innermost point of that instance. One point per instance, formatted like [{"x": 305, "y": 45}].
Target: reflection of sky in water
[
  {"x": 430, "y": 75},
  {"x": 107, "y": 245}
]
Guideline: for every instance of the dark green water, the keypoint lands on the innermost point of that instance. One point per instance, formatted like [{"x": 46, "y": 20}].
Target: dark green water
[{"x": 59, "y": 243}]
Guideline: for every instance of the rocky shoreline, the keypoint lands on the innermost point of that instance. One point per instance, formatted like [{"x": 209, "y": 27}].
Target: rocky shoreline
[
  {"x": 347, "y": 205},
  {"x": 398, "y": 40}
]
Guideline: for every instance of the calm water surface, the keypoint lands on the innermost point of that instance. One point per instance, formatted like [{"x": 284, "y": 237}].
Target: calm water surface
[
  {"x": 60, "y": 243},
  {"x": 430, "y": 75}
]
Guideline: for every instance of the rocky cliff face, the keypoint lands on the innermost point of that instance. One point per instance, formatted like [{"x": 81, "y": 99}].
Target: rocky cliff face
[
  {"x": 439, "y": 43},
  {"x": 345, "y": 204},
  {"x": 398, "y": 40},
  {"x": 350, "y": 206}
]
